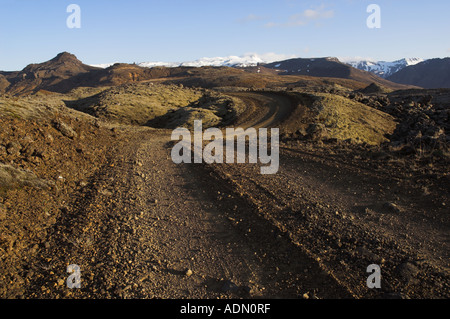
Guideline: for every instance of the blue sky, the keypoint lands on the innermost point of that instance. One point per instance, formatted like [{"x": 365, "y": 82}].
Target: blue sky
[{"x": 182, "y": 30}]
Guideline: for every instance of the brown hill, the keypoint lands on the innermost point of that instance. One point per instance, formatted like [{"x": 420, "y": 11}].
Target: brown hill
[
  {"x": 122, "y": 73},
  {"x": 226, "y": 77},
  {"x": 48, "y": 75},
  {"x": 65, "y": 72},
  {"x": 430, "y": 74},
  {"x": 328, "y": 67}
]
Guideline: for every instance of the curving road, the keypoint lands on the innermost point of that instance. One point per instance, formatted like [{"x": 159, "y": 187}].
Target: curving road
[
  {"x": 264, "y": 109},
  {"x": 153, "y": 229}
]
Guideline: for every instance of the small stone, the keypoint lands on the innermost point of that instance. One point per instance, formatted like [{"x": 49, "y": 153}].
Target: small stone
[
  {"x": 188, "y": 273},
  {"x": 229, "y": 286},
  {"x": 13, "y": 148},
  {"x": 393, "y": 207},
  {"x": 64, "y": 129},
  {"x": 407, "y": 271},
  {"x": 105, "y": 192},
  {"x": 305, "y": 296},
  {"x": 2, "y": 212}
]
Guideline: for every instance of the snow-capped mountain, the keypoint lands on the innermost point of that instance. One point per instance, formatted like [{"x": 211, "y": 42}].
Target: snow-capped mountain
[
  {"x": 230, "y": 61},
  {"x": 382, "y": 68},
  {"x": 103, "y": 66}
]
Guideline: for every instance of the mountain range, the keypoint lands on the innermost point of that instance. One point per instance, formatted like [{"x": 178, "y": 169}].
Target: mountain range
[
  {"x": 383, "y": 69},
  {"x": 248, "y": 60},
  {"x": 316, "y": 67},
  {"x": 430, "y": 74},
  {"x": 65, "y": 72}
]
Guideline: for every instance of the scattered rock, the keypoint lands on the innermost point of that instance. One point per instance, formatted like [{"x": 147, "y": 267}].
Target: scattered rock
[
  {"x": 188, "y": 273},
  {"x": 2, "y": 212},
  {"x": 65, "y": 129}
]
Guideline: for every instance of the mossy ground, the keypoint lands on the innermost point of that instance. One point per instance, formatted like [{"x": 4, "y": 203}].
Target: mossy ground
[
  {"x": 167, "y": 106},
  {"x": 346, "y": 119}
]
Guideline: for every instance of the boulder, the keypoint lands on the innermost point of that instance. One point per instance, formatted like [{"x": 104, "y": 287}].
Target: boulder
[{"x": 11, "y": 177}]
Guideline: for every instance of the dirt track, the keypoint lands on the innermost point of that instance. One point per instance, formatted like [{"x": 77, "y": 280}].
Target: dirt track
[{"x": 312, "y": 229}]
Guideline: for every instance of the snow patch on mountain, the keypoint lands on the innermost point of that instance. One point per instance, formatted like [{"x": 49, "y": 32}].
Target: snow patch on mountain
[
  {"x": 247, "y": 60},
  {"x": 383, "y": 69},
  {"x": 103, "y": 65}
]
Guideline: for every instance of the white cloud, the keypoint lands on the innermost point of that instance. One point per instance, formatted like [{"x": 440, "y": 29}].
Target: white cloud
[
  {"x": 355, "y": 59},
  {"x": 271, "y": 24},
  {"x": 251, "y": 18},
  {"x": 305, "y": 17},
  {"x": 273, "y": 57}
]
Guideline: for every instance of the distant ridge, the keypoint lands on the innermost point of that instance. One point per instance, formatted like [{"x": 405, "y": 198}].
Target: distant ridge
[
  {"x": 65, "y": 72},
  {"x": 317, "y": 67},
  {"x": 430, "y": 74},
  {"x": 327, "y": 67},
  {"x": 382, "y": 68},
  {"x": 248, "y": 60}
]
